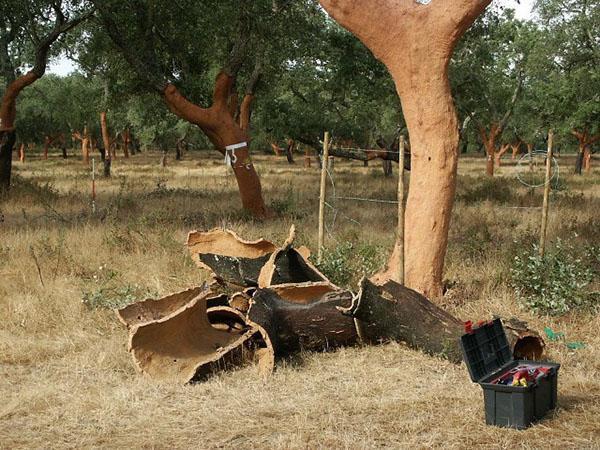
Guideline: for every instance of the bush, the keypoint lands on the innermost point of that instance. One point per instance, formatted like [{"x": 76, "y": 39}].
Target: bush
[
  {"x": 346, "y": 263},
  {"x": 115, "y": 298},
  {"x": 556, "y": 283}
]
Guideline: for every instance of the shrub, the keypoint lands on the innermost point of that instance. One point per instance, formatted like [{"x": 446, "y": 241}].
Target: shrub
[
  {"x": 346, "y": 263},
  {"x": 556, "y": 283},
  {"x": 115, "y": 298}
]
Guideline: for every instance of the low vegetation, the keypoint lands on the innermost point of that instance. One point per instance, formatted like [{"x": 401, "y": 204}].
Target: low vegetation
[{"x": 67, "y": 377}]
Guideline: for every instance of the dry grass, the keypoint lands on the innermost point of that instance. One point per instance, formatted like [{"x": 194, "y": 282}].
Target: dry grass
[{"x": 66, "y": 379}]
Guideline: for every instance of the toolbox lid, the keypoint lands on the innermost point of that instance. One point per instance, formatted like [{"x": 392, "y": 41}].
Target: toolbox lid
[{"x": 485, "y": 349}]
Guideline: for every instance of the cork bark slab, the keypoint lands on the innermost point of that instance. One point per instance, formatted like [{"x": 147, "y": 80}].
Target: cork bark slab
[
  {"x": 152, "y": 310},
  {"x": 184, "y": 345},
  {"x": 230, "y": 258},
  {"x": 288, "y": 265}
]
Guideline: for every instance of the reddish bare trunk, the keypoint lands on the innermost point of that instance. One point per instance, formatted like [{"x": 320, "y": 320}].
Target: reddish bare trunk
[
  {"x": 587, "y": 161},
  {"x": 276, "y": 149},
  {"x": 489, "y": 143},
  {"x": 585, "y": 155},
  {"x": 417, "y": 54},
  {"x": 307, "y": 161},
  {"x": 289, "y": 151},
  {"x": 516, "y": 149},
  {"x": 22, "y": 152},
  {"x": 498, "y": 156},
  {"x": 8, "y": 113},
  {"x": 220, "y": 127}
]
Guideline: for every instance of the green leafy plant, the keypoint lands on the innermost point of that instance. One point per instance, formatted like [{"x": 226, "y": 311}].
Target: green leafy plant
[
  {"x": 114, "y": 298},
  {"x": 346, "y": 263},
  {"x": 556, "y": 283}
]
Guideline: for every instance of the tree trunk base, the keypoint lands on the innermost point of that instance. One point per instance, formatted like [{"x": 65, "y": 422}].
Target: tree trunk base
[{"x": 7, "y": 143}]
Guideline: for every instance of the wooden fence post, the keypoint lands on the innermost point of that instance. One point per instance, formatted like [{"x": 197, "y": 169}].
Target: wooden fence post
[
  {"x": 545, "y": 206},
  {"x": 400, "y": 236},
  {"x": 324, "y": 160}
]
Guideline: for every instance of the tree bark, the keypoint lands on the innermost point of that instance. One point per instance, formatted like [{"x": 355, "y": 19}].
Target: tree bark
[
  {"x": 516, "y": 149},
  {"x": 587, "y": 161},
  {"x": 7, "y": 142},
  {"x": 293, "y": 327},
  {"x": 222, "y": 130},
  {"x": 8, "y": 113},
  {"x": 46, "y": 146},
  {"x": 584, "y": 155},
  {"x": 126, "y": 140},
  {"x": 393, "y": 312},
  {"x": 489, "y": 143},
  {"x": 417, "y": 56},
  {"x": 307, "y": 159},
  {"x": 106, "y": 144},
  {"x": 22, "y": 152},
  {"x": 500, "y": 153},
  {"x": 289, "y": 151},
  {"x": 388, "y": 170}
]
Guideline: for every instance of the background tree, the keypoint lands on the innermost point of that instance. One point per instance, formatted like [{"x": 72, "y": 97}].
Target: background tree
[
  {"x": 569, "y": 72},
  {"x": 27, "y": 32}
]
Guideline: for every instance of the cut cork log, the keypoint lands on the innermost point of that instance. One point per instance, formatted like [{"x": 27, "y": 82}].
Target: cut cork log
[
  {"x": 293, "y": 327},
  {"x": 392, "y": 312}
]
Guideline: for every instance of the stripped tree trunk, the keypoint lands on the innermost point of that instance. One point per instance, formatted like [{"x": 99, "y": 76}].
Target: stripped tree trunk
[
  {"x": 585, "y": 142},
  {"x": 417, "y": 57},
  {"x": 489, "y": 143},
  {"x": 500, "y": 153},
  {"x": 8, "y": 113},
  {"x": 388, "y": 170},
  {"x": 516, "y": 149},
  {"x": 22, "y": 152},
  {"x": 220, "y": 127}
]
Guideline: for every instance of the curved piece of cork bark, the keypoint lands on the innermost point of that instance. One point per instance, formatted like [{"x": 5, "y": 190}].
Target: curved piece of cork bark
[
  {"x": 151, "y": 310},
  {"x": 229, "y": 257},
  {"x": 184, "y": 346},
  {"x": 288, "y": 265}
]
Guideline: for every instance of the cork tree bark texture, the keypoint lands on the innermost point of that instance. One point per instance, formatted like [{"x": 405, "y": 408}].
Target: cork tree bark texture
[{"x": 416, "y": 41}]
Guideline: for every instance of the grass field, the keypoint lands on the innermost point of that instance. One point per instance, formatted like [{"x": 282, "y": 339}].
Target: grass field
[{"x": 66, "y": 379}]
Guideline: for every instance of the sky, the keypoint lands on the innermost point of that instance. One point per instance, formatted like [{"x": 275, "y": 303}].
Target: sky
[{"x": 63, "y": 66}]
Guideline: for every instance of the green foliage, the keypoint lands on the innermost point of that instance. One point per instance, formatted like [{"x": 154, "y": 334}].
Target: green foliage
[
  {"x": 558, "y": 282},
  {"x": 346, "y": 263},
  {"x": 115, "y": 298}
]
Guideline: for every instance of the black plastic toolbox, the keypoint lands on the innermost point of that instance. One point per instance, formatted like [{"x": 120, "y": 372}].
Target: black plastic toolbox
[{"x": 490, "y": 362}]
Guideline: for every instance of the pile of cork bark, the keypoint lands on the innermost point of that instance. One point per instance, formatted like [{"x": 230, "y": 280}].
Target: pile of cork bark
[{"x": 266, "y": 302}]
